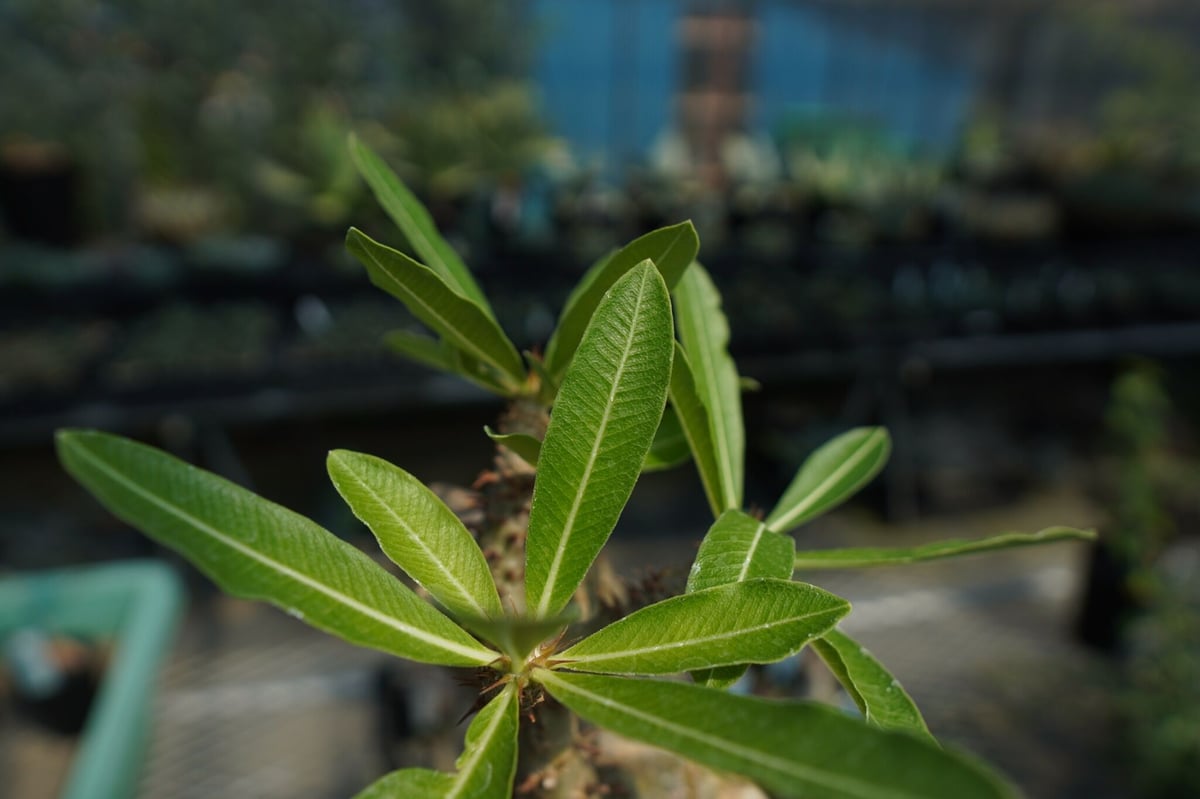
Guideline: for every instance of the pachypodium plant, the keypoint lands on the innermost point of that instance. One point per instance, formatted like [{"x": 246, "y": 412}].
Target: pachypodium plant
[{"x": 626, "y": 384}]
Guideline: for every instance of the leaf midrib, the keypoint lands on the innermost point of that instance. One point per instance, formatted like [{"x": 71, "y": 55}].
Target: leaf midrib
[
  {"x": 649, "y": 650},
  {"x": 787, "y": 767},
  {"x": 429, "y": 553},
  {"x": 463, "y": 341},
  {"x": 287, "y": 571},
  {"x": 758, "y": 535},
  {"x": 823, "y": 487},
  {"x": 569, "y": 525}
]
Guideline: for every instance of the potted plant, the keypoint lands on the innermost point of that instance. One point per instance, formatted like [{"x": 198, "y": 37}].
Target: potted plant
[{"x": 631, "y": 380}]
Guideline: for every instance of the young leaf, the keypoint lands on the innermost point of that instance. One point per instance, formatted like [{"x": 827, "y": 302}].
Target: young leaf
[
  {"x": 831, "y": 475},
  {"x": 793, "y": 749},
  {"x": 256, "y": 549},
  {"x": 882, "y": 700},
  {"x": 890, "y": 556},
  {"x": 670, "y": 446},
  {"x": 693, "y": 419},
  {"x": 416, "y": 224},
  {"x": 671, "y": 249},
  {"x": 704, "y": 333},
  {"x": 459, "y": 320},
  {"x": 417, "y": 531},
  {"x": 485, "y": 770},
  {"x": 523, "y": 444},
  {"x": 608, "y": 408},
  {"x": 758, "y": 621},
  {"x": 739, "y": 547}
]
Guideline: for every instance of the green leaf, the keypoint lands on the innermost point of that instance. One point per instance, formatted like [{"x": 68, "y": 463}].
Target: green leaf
[
  {"x": 890, "y": 556},
  {"x": 256, "y": 549},
  {"x": 739, "y": 547},
  {"x": 523, "y": 444},
  {"x": 485, "y": 770},
  {"x": 459, "y": 320},
  {"x": 670, "y": 446},
  {"x": 793, "y": 749},
  {"x": 671, "y": 249},
  {"x": 831, "y": 475},
  {"x": 881, "y": 698},
  {"x": 693, "y": 419},
  {"x": 757, "y": 621},
  {"x": 417, "y": 531},
  {"x": 441, "y": 356},
  {"x": 408, "y": 782},
  {"x": 608, "y": 408},
  {"x": 422, "y": 349},
  {"x": 416, "y": 224},
  {"x": 704, "y": 333}
]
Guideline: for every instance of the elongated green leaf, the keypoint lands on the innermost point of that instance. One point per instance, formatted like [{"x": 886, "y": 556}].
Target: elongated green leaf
[
  {"x": 440, "y": 355},
  {"x": 890, "y": 556},
  {"x": 736, "y": 548},
  {"x": 416, "y": 224},
  {"x": 256, "y": 549},
  {"x": 881, "y": 698},
  {"x": 485, "y": 769},
  {"x": 417, "y": 531},
  {"x": 608, "y": 408},
  {"x": 671, "y": 249},
  {"x": 523, "y": 444},
  {"x": 422, "y": 349},
  {"x": 693, "y": 420},
  {"x": 670, "y": 446},
  {"x": 794, "y": 749},
  {"x": 704, "y": 333},
  {"x": 739, "y": 547},
  {"x": 457, "y": 319},
  {"x": 757, "y": 621},
  {"x": 831, "y": 475}
]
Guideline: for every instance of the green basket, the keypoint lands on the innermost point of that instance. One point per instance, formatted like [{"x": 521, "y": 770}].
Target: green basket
[{"x": 136, "y": 604}]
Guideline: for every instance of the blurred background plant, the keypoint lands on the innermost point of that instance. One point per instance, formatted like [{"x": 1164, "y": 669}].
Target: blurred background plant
[
  {"x": 176, "y": 122},
  {"x": 1152, "y": 614}
]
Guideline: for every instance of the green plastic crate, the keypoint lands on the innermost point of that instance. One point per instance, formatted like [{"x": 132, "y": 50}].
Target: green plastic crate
[{"x": 137, "y": 605}]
